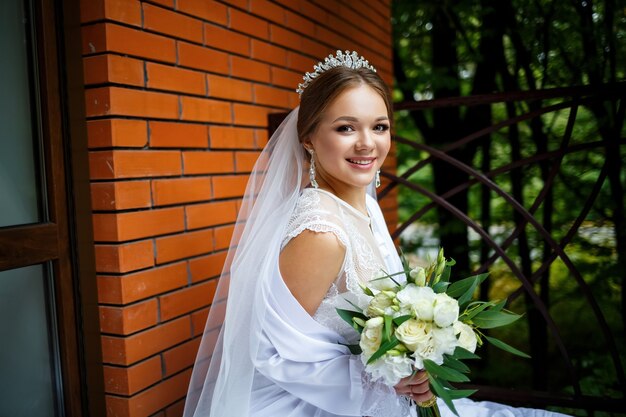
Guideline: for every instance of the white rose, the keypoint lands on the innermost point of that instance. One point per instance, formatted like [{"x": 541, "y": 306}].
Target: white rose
[
  {"x": 413, "y": 333},
  {"x": 440, "y": 341},
  {"x": 371, "y": 337},
  {"x": 445, "y": 341},
  {"x": 380, "y": 305},
  {"x": 419, "y": 299},
  {"x": 423, "y": 307},
  {"x": 466, "y": 336},
  {"x": 391, "y": 368},
  {"x": 425, "y": 346},
  {"x": 445, "y": 311},
  {"x": 419, "y": 276}
]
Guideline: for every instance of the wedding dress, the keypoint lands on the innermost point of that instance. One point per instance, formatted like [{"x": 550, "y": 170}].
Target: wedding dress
[{"x": 291, "y": 380}]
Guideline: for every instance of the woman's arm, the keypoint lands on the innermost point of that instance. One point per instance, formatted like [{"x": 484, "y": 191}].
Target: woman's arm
[{"x": 309, "y": 264}]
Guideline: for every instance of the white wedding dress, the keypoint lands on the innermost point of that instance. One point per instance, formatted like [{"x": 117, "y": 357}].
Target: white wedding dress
[{"x": 302, "y": 368}]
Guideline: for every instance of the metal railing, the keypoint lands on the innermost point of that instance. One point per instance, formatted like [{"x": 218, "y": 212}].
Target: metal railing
[{"x": 527, "y": 106}]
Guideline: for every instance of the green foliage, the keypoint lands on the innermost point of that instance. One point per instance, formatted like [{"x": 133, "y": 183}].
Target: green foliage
[{"x": 543, "y": 44}]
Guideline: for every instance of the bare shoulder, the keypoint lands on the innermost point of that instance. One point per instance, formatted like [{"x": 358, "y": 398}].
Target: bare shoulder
[{"x": 309, "y": 264}]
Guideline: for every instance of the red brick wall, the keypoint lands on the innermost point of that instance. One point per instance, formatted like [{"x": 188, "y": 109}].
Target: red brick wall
[{"x": 177, "y": 97}]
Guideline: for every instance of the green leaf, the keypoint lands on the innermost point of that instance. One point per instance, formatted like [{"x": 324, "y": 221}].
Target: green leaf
[
  {"x": 490, "y": 319},
  {"x": 461, "y": 354},
  {"x": 354, "y": 349},
  {"x": 442, "y": 393},
  {"x": 444, "y": 372},
  {"x": 387, "y": 328},
  {"x": 440, "y": 287},
  {"x": 390, "y": 344},
  {"x": 405, "y": 265},
  {"x": 461, "y": 393},
  {"x": 445, "y": 275},
  {"x": 347, "y": 315},
  {"x": 401, "y": 319},
  {"x": 459, "y": 288},
  {"x": 454, "y": 363},
  {"x": 499, "y": 306},
  {"x": 468, "y": 315},
  {"x": 467, "y": 296},
  {"x": 508, "y": 348}
]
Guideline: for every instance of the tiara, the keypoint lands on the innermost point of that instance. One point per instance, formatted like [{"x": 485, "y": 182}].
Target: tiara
[{"x": 347, "y": 59}]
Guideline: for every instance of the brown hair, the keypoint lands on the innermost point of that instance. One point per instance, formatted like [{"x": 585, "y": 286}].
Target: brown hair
[{"x": 324, "y": 89}]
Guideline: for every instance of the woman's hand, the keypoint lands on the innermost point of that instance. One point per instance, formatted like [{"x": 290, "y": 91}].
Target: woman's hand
[{"x": 415, "y": 387}]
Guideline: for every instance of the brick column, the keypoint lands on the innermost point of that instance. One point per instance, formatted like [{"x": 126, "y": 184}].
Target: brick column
[{"x": 177, "y": 97}]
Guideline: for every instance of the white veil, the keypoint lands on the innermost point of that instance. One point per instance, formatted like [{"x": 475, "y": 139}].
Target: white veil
[{"x": 222, "y": 378}]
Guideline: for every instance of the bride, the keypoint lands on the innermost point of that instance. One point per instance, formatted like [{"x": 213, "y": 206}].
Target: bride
[{"x": 308, "y": 232}]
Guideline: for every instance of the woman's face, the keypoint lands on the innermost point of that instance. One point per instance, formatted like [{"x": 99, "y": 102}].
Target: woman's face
[{"x": 352, "y": 139}]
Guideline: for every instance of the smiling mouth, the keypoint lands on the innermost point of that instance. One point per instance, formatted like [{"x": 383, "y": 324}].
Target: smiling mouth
[{"x": 360, "y": 161}]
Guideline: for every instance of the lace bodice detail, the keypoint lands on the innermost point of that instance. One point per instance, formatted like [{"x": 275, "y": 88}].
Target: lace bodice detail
[{"x": 322, "y": 212}]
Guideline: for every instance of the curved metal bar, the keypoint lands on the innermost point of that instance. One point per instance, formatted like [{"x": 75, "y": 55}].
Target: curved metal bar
[
  {"x": 479, "y": 133},
  {"x": 606, "y": 90},
  {"x": 516, "y": 271},
  {"x": 515, "y": 204},
  {"x": 529, "y": 218},
  {"x": 500, "y": 170}
]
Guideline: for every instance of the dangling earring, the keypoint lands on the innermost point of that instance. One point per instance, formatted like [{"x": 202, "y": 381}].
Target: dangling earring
[
  {"x": 312, "y": 169},
  {"x": 377, "y": 182}
]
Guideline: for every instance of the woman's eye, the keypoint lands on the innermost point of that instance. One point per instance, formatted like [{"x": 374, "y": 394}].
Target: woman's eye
[
  {"x": 345, "y": 128},
  {"x": 381, "y": 127}
]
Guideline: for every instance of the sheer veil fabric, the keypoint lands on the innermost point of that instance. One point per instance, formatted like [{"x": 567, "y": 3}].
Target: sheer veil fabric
[{"x": 223, "y": 373}]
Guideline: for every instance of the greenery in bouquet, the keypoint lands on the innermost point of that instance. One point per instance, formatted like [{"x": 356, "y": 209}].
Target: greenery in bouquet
[{"x": 418, "y": 319}]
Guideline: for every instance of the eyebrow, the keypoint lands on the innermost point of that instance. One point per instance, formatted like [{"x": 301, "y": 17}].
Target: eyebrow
[{"x": 354, "y": 119}]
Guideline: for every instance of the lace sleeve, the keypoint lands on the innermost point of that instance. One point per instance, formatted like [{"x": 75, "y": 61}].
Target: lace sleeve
[
  {"x": 311, "y": 214},
  {"x": 381, "y": 400}
]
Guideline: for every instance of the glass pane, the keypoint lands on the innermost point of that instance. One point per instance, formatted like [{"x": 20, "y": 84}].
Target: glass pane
[
  {"x": 18, "y": 174},
  {"x": 27, "y": 377}
]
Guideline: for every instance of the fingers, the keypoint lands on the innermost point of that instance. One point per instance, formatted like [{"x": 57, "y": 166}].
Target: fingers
[
  {"x": 422, "y": 398},
  {"x": 415, "y": 387}
]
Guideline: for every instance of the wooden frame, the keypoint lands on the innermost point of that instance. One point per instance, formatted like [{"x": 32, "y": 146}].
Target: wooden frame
[{"x": 64, "y": 237}]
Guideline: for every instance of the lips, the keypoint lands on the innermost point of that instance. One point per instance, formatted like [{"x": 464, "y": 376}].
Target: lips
[{"x": 361, "y": 161}]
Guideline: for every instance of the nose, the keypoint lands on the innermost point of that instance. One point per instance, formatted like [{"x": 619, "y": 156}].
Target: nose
[{"x": 365, "y": 141}]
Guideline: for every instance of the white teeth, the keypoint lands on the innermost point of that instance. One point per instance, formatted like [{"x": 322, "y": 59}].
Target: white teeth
[{"x": 360, "y": 162}]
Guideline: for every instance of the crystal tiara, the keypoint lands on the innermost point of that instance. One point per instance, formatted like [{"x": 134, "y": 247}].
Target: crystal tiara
[{"x": 347, "y": 59}]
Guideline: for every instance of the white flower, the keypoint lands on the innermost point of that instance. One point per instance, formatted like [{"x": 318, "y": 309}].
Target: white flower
[
  {"x": 419, "y": 276},
  {"x": 445, "y": 311},
  {"x": 391, "y": 368},
  {"x": 439, "y": 341},
  {"x": 371, "y": 337},
  {"x": 413, "y": 333},
  {"x": 445, "y": 342},
  {"x": 466, "y": 336},
  {"x": 419, "y": 299},
  {"x": 380, "y": 305}
]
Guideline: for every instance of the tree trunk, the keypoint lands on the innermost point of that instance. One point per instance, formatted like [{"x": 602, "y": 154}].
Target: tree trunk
[{"x": 445, "y": 130}]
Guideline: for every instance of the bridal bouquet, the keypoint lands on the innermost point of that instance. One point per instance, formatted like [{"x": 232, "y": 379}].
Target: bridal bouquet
[{"x": 425, "y": 322}]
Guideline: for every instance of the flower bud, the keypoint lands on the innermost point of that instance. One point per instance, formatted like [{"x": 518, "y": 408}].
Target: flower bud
[
  {"x": 359, "y": 321},
  {"x": 389, "y": 294},
  {"x": 365, "y": 289},
  {"x": 441, "y": 263},
  {"x": 419, "y": 276}
]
